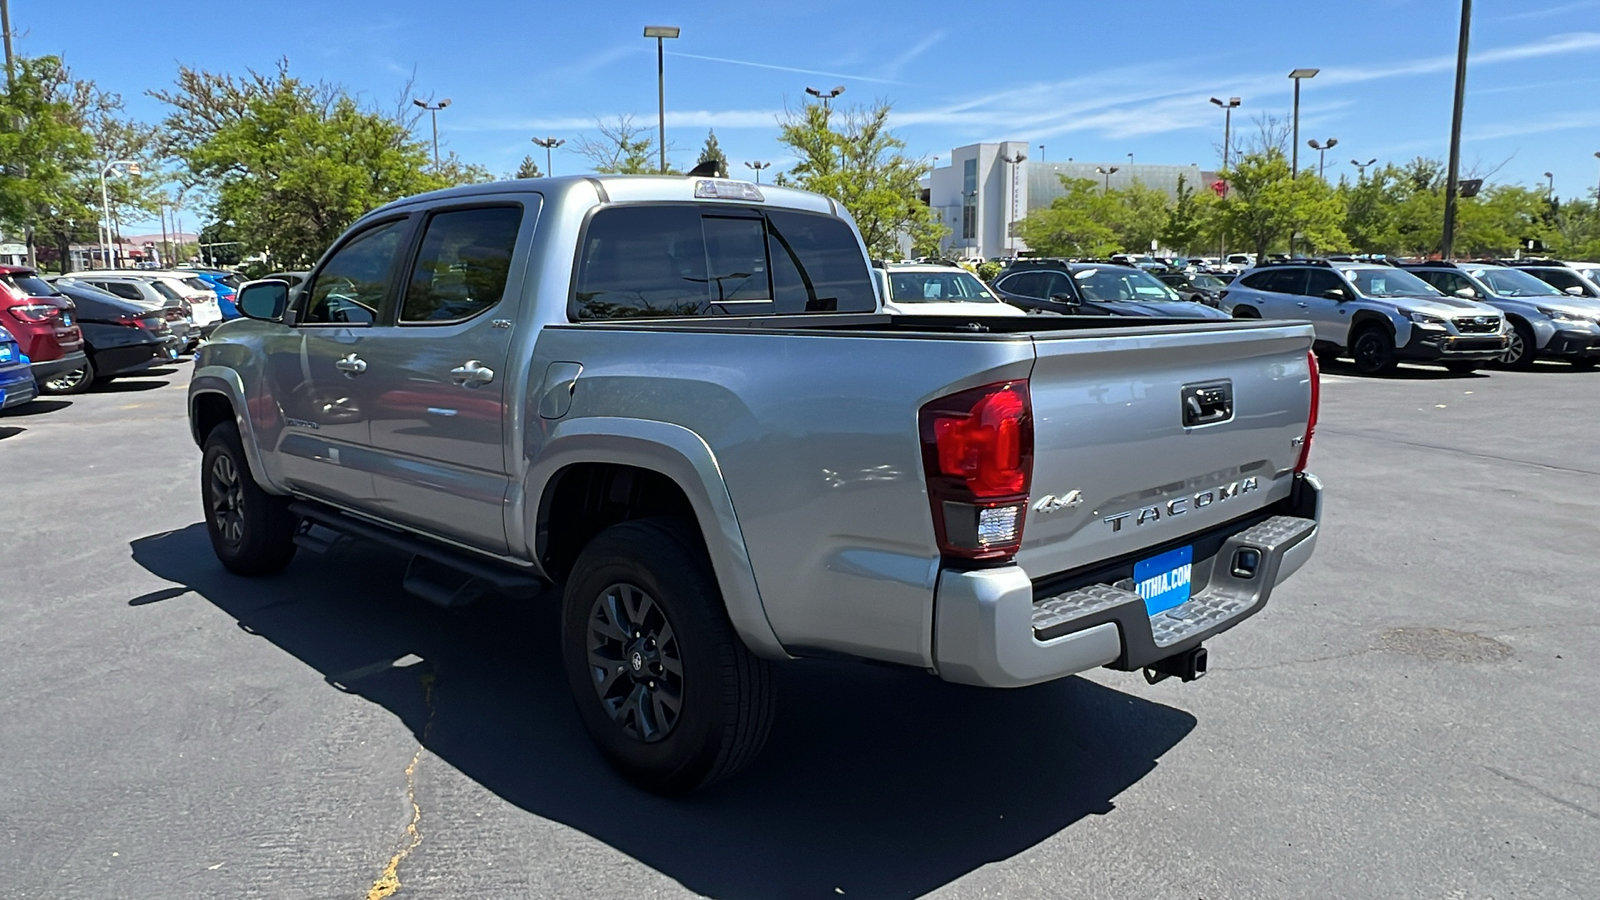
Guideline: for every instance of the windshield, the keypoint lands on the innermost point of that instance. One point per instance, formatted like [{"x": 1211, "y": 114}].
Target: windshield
[
  {"x": 938, "y": 287},
  {"x": 1115, "y": 283},
  {"x": 1512, "y": 283},
  {"x": 163, "y": 290},
  {"x": 1208, "y": 282},
  {"x": 1389, "y": 283}
]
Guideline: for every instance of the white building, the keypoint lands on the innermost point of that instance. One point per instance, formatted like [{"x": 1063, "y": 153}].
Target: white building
[{"x": 982, "y": 193}]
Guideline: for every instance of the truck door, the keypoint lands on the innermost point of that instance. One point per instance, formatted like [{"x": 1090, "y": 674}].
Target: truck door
[
  {"x": 318, "y": 372},
  {"x": 439, "y": 376}
]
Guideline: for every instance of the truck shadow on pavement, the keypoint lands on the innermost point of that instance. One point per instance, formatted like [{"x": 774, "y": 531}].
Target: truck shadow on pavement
[{"x": 876, "y": 782}]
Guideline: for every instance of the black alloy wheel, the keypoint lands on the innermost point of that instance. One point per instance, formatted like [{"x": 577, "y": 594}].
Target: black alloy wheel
[
  {"x": 225, "y": 499},
  {"x": 74, "y": 382},
  {"x": 251, "y": 531},
  {"x": 1373, "y": 352},
  {"x": 635, "y": 662}
]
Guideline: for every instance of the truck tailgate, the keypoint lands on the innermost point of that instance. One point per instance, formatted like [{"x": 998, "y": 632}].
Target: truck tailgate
[{"x": 1117, "y": 469}]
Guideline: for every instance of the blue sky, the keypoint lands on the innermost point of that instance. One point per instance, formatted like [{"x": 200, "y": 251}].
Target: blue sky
[{"x": 1089, "y": 81}]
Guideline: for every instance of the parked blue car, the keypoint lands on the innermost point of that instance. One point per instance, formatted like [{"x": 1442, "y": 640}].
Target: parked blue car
[
  {"x": 225, "y": 291},
  {"x": 16, "y": 375}
]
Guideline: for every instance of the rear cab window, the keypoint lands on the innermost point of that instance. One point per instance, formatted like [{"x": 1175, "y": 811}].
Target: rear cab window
[
  {"x": 462, "y": 265},
  {"x": 688, "y": 261}
]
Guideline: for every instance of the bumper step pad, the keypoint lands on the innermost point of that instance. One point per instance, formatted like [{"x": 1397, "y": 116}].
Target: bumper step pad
[{"x": 1224, "y": 597}]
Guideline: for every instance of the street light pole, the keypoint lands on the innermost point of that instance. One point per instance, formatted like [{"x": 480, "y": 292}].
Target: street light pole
[
  {"x": 549, "y": 143},
  {"x": 1453, "y": 178},
  {"x": 758, "y": 166},
  {"x": 1361, "y": 167},
  {"x": 5, "y": 27},
  {"x": 1550, "y": 192},
  {"x": 1227, "y": 140},
  {"x": 433, "y": 111},
  {"x": 1107, "y": 172},
  {"x": 1298, "y": 75},
  {"x": 1322, "y": 152},
  {"x": 1011, "y": 227},
  {"x": 826, "y": 96},
  {"x": 132, "y": 168},
  {"x": 660, "y": 33}
]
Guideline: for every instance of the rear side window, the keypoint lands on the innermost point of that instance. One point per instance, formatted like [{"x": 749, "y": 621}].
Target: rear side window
[
  {"x": 28, "y": 285},
  {"x": 1318, "y": 281},
  {"x": 462, "y": 267},
  {"x": 1027, "y": 284},
  {"x": 681, "y": 261}
]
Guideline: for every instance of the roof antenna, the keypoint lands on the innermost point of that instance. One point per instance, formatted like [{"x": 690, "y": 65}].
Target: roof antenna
[{"x": 711, "y": 168}]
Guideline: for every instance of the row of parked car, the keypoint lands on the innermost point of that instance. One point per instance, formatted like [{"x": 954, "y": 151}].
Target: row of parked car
[
  {"x": 63, "y": 334},
  {"x": 1376, "y": 312}
]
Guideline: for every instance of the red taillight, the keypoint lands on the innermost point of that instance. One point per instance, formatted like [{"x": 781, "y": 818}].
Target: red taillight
[
  {"x": 128, "y": 322},
  {"x": 35, "y": 313},
  {"x": 1315, "y": 373},
  {"x": 977, "y": 455}
]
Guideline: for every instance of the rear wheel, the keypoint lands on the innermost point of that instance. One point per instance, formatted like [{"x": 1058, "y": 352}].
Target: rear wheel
[
  {"x": 1461, "y": 367},
  {"x": 1373, "y": 352},
  {"x": 75, "y": 382},
  {"x": 1246, "y": 312},
  {"x": 671, "y": 696},
  {"x": 252, "y": 531},
  {"x": 1519, "y": 353}
]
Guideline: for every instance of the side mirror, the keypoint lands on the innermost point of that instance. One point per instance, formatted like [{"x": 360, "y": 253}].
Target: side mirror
[
  {"x": 266, "y": 300},
  {"x": 1576, "y": 291},
  {"x": 1067, "y": 300},
  {"x": 1334, "y": 294},
  {"x": 1466, "y": 293}
]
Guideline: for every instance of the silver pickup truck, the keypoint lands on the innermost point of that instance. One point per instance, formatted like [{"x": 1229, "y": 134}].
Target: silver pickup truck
[{"x": 673, "y": 403}]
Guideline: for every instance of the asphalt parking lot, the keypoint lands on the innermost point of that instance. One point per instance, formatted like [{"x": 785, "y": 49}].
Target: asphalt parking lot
[{"x": 1414, "y": 714}]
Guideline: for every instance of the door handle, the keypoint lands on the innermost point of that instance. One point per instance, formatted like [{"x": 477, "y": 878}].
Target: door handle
[
  {"x": 472, "y": 373},
  {"x": 1303, "y": 305},
  {"x": 351, "y": 365}
]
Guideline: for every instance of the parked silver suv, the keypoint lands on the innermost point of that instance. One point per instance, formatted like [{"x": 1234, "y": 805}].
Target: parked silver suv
[
  {"x": 1545, "y": 321},
  {"x": 1372, "y": 312}
]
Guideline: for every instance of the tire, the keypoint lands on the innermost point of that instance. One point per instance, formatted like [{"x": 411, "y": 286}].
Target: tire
[
  {"x": 1462, "y": 367},
  {"x": 641, "y": 601},
  {"x": 75, "y": 382},
  {"x": 1519, "y": 355},
  {"x": 1246, "y": 312},
  {"x": 252, "y": 531},
  {"x": 1373, "y": 352}
]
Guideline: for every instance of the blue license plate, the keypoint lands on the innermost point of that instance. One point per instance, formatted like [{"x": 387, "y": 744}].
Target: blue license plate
[{"x": 1163, "y": 581}]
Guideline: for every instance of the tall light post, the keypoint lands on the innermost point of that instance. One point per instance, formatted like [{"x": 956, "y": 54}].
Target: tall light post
[
  {"x": 1130, "y": 160},
  {"x": 1011, "y": 227},
  {"x": 1041, "y": 153},
  {"x": 433, "y": 111},
  {"x": 758, "y": 165},
  {"x": 5, "y": 27},
  {"x": 1107, "y": 172},
  {"x": 826, "y": 96},
  {"x": 1322, "y": 152},
  {"x": 661, "y": 33},
  {"x": 1452, "y": 184},
  {"x": 549, "y": 143},
  {"x": 132, "y": 168},
  {"x": 1550, "y": 190},
  {"x": 1298, "y": 75},
  {"x": 1227, "y": 141},
  {"x": 1361, "y": 167}
]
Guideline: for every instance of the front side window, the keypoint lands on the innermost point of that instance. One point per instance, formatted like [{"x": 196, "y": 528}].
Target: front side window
[
  {"x": 1389, "y": 283},
  {"x": 462, "y": 267},
  {"x": 350, "y": 287},
  {"x": 1114, "y": 284}
]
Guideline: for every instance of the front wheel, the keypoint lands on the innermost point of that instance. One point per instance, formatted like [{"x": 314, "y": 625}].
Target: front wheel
[
  {"x": 665, "y": 688},
  {"x": 252, "y": 531},
  {"x": 75, "y": 382},
  {"x": 1373, "y": 351},
  {"x": 1519, "y": 353}
]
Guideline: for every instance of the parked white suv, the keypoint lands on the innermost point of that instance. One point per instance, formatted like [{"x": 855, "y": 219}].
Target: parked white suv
[{"x": 939, "y": 289}]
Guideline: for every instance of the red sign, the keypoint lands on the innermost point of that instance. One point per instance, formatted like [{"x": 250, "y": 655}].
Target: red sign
[{"x": 1220, "y": 187}]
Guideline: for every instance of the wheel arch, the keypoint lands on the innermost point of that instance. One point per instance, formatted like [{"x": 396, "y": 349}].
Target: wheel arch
[
  {"x": 216, "y": 395},
  {"x": 1367, "y": 318},
  {"x": 594, "y": 472}
]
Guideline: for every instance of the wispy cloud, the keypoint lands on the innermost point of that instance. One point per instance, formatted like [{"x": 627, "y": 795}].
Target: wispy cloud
[
  {"x": 893, "y": 67},
  {"x": 778, "y": 68},
  {"x": 597, "y": 61},
  {"x": 1551, "y": 11},
  {"x": 685, "y": 118},
  {"x": 1537, "y": 126}
]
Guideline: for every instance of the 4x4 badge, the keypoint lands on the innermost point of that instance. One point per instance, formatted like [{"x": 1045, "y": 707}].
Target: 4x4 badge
[{"x": 1050, "y": 503}]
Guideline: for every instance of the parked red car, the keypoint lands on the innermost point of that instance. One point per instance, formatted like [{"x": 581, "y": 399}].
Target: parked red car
[{"x": 42, "y": 321}]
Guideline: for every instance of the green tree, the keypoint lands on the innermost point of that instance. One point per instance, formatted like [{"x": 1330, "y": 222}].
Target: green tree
[
  {"x": 1265, "y": 207},
  {"x": 1074, "y": 224},
  {"x": 1139, "y": 215},
  {"x": 1186, "y": 219},
  {"x": 712, "y": 152},
  {"x": 861, "y": 164},
  {"x": 290, "y": 164},
  {"x": 528, "y": 169}
]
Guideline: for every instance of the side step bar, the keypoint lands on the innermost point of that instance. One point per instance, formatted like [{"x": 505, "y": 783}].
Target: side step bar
[{"x": 436, "y": 573}]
